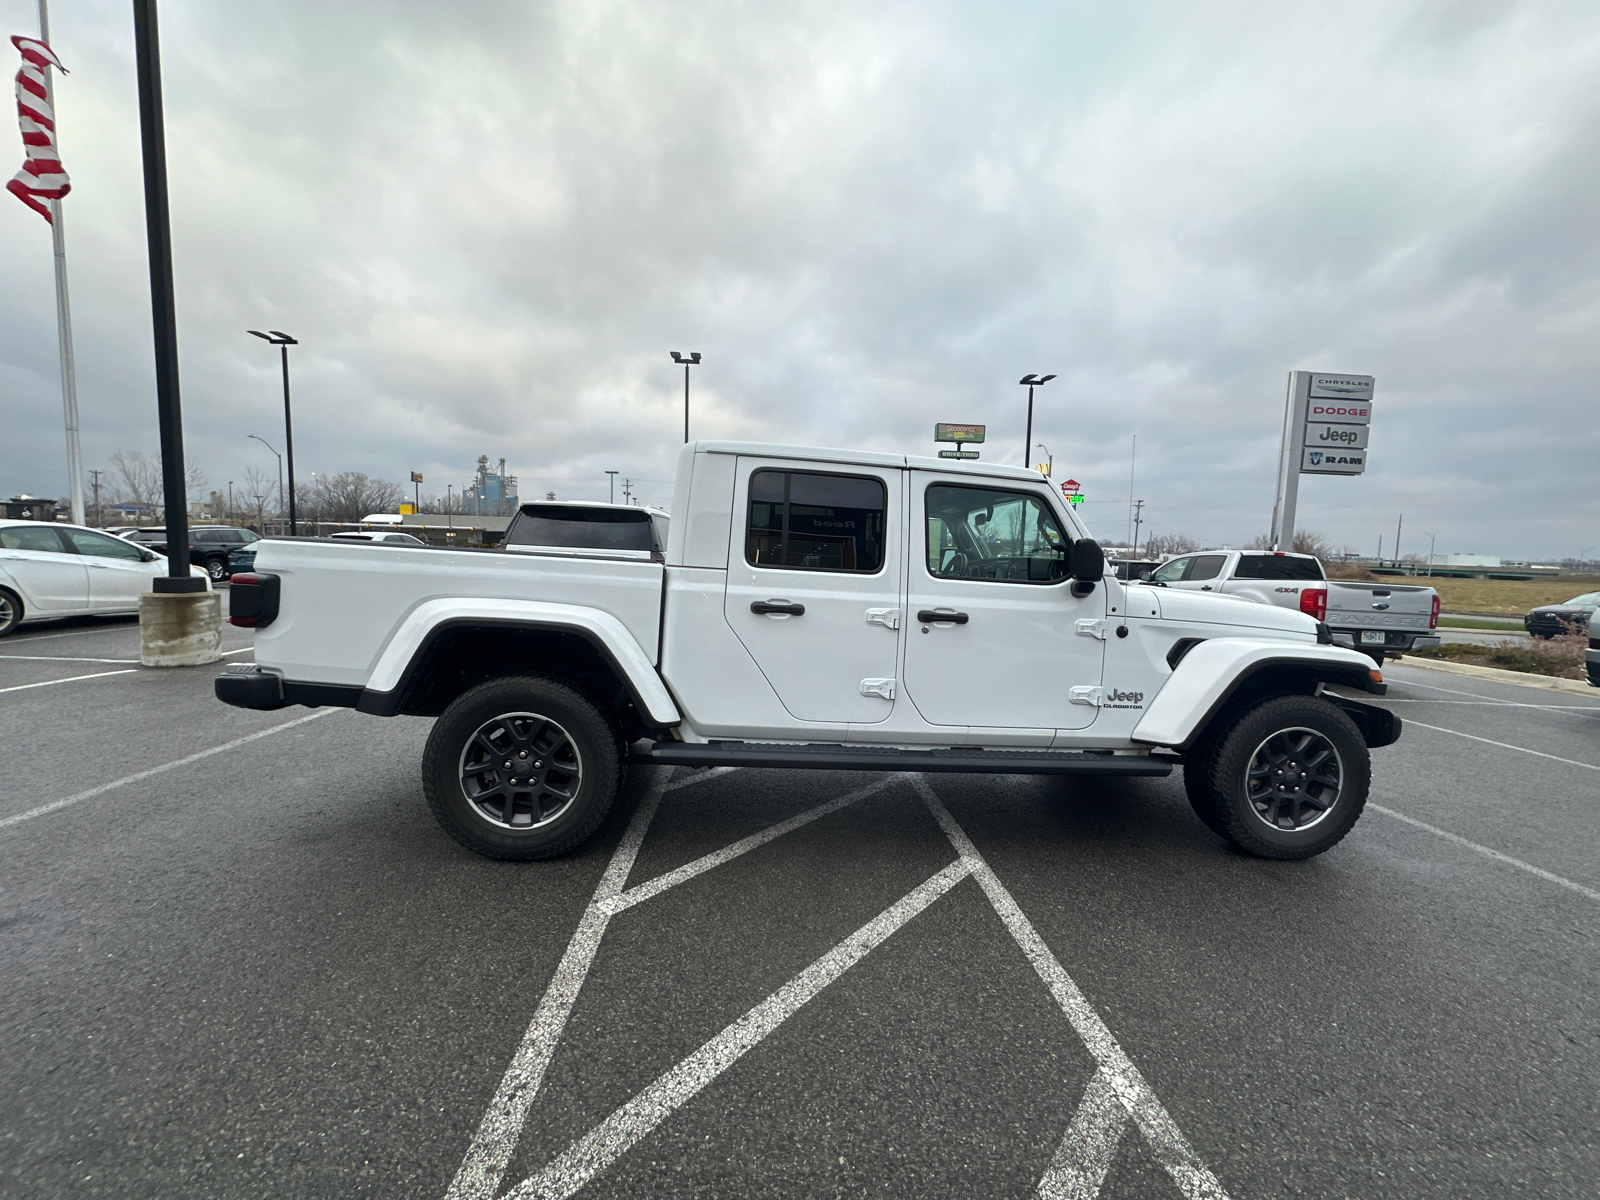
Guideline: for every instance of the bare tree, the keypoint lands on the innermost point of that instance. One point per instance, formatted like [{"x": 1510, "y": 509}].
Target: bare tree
[
  {"x": 1306, "y": 541},
  {"x": 138, "y": 479},
  {"x": 258, "y": 489},
  {"x": 350, "y": 495},
  {"x": 1169, "y": 543}
]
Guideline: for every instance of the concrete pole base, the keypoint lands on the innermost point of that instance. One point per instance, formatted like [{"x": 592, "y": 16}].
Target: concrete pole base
[{"x": 180, "y": 629}]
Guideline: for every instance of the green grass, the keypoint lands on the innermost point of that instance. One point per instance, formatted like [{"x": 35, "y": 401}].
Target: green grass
[
  {"x": 1513, "y": 597},
  {"x": 1544, "y": 658}
]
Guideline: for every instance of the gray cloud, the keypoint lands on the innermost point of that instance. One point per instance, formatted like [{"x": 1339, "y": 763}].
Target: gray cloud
[{"x": 489, "y": 224}]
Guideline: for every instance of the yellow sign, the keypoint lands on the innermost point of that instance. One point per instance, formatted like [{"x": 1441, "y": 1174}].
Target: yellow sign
[{"x": 407, "y": 509}]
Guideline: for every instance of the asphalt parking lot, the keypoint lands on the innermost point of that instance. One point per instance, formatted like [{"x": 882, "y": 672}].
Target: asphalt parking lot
[{"x": 241, "y": 960}]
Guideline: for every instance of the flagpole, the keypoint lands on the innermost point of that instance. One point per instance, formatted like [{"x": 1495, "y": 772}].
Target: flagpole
[{"x": 69, "y": 370}]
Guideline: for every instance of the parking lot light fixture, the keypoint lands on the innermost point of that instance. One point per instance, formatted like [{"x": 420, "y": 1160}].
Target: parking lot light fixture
[
  {"x": 279, "y": 457},
  {"x": 1031, "y": 381},
  {"x": 276, "y": 337},
  {"x": 612, "y": 481},
  {"x": 691, "y": 360}
]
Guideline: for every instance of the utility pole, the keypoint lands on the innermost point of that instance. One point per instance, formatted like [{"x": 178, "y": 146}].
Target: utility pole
[
  {"x": 627, "y": 491},
  {"x": 1397, "y": 526},
  {"x": 613, "y": 483},
  {"x": 449, "y": 506},
  {"x": 230, "y": 502},
  {"x": 1138, "y": 510},
  {"x": 1430, "y": 553},
  {"x": 98, "y": 523},
  {"x": 1133, "y": 457}
]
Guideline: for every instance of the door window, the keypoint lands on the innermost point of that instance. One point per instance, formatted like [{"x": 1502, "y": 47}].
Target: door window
[
  {"x": 984, "y": 533},
  {"x": 101, "y": 546},
  {"x": 1170, "y": 572},
  {"x": 31, "y": 537},
  {"x": 1205, "y": 566},
  {"x": 803, "y": 521}
]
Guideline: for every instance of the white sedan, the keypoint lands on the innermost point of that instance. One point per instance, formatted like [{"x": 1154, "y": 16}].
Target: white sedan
[{"x": 52, "y": 570}]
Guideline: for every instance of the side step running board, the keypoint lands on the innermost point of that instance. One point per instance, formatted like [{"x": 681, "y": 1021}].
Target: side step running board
[{"x": 887, "y": 758}]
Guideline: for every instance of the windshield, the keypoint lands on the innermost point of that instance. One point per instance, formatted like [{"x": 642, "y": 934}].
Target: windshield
[{"x": 1587, "y": 600}]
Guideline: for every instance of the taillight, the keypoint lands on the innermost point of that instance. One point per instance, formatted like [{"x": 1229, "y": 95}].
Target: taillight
[
  {"x": 1433, "y": 617},
  {"x": 253, "y": 600},
  {"x": 1314, "y": 603}
]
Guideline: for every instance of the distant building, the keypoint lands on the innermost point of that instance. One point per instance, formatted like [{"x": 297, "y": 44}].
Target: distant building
[
  {"x": 1465, "y": 560},
  {"x": 491, "y": 493},
  {"x": 29, "y": 508}
]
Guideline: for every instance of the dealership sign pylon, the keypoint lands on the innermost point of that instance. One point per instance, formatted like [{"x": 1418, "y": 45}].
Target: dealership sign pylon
[{"x": 1326, "y": 419}]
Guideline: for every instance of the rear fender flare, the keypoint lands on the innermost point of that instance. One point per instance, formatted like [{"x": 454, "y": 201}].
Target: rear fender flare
[
  {"x": 605, "y": 632},
  {"x": 1214, "y": 672}
]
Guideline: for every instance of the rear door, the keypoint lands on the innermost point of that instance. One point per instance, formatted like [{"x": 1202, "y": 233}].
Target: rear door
[
  {"x": 1201, "y": 573},
  {"x": 51, "y": 578},
  {"x": 993, "y": 635},
  {"x": 813, "y": 588}
]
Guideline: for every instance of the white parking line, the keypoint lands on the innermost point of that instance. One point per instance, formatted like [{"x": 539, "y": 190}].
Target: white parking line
[
  {"x": 1492, "y": 703},
  {"x": 486, "y": 1158},
  {"x": 614, "y": 1136},
  {"x": 1161, "y": 1133},
  {"x": 1089, "y": 1146},
  {"x": 1504, "y": 745},
  {"x": 57, "y": 805},
  {"x": 62, "y": 658},
  {"x": 699, "y": 866},
  {"x": 42, "y": 637},
  {"x": 1485, "y": 850},
  {"x": 22, "y": 687},
  {"x": 1434, "y": 687}
]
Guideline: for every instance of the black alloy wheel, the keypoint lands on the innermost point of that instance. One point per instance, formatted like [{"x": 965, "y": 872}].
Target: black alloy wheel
[
  {"x": 217, "y": 568},
  {"x": 1289, "y": 777},
  {"x": 10, "y": 611},
  {"x": 520, "y": 770},
  {"x": 524, "y": 767}
]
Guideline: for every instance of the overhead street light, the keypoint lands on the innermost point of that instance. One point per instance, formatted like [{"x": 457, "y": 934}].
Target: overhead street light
[
  {"x": 283, "y": 341},
  {"x": 1031, "y": 381},
  {"x": 693, "y": 360},
  {"x": 279, "y": 457}
]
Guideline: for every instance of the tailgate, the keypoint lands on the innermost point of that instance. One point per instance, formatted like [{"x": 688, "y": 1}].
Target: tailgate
[{"x": 1378, "y": 606}]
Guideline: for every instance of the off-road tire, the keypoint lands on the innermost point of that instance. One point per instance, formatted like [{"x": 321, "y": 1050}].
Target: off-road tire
[
  {"x": 598, "y": 751},
  {"x": 11, "y": 611},
  {"x": 1245, "y": 742},
  {"x": 1197, "y": 784}
]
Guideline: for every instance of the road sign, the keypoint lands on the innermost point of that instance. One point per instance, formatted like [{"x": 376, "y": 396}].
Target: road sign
[
  {"x": 943, "y": 432},
  {"x": 1334, "y": 437},
  {"x": 1332, "y": 462},
  {"x": 958, "y": 454},
  {"x": 416, "y": 477}
]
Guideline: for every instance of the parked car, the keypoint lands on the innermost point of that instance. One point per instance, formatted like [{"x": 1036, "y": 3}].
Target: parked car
[
  {"x": 209, "y": 545},
  {"x": 402, "y": 539},
  {"x": 1132, "y": 568},
  {"x": 1591, "y": 656},
  {"x": 1375, "y": 618},
  {"x": 821, "y": 609},
  {"x": 1549, "y": 620},
  {"x": 50, "y": 570}
]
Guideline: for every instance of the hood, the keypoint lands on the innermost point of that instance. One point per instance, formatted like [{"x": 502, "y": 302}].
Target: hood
[
  {"x": 1563, "y": 610},
  {"x": 1207, "y": 608}
]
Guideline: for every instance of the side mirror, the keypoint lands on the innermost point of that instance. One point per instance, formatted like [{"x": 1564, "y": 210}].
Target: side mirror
[
  {"x": 1088, "y": 561},
  {"x": 1145, "y": 576}
]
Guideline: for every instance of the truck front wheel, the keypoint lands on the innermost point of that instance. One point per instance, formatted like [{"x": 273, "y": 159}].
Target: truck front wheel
[
  {"x": 1289, "y": 777},
  {"x": 521, "y": 768}
]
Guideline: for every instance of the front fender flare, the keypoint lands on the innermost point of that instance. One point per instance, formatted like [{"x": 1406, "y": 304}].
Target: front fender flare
[
  {"x": 1214, "y": 671},
  {"x": 604, "y": 631}
]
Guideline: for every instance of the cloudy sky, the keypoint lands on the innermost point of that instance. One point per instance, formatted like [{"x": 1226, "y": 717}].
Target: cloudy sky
[{"x": 490, "y": 222}]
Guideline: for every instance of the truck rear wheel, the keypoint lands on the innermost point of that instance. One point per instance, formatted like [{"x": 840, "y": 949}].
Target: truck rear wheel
[
  {"x": 1290, "y": 777},
  {"x": 521, "y": 768}
]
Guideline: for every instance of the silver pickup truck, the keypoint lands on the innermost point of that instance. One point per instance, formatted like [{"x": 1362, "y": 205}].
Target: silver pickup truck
[{"x": 1374, "y": 618}]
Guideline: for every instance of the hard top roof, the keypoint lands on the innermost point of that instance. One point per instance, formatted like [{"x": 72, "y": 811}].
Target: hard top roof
[{"x": 867, "y": 458}]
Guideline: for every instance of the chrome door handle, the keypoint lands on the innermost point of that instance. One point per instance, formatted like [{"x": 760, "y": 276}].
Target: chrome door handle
[
  {"x": 778, "y": 606},
  {"x": 929, "y": 615}
]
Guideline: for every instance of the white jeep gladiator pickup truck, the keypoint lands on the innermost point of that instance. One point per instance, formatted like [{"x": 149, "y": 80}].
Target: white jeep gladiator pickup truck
[
  {"x": 818, "y": 609},
  {"x": 1372, "y": 617}
]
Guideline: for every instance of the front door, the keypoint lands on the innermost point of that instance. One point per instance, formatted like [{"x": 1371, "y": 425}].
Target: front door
[
  {"x": 814, "y": 586},
  {"x": 118, "y": 571},
  {"x": 994, "y": 639}
]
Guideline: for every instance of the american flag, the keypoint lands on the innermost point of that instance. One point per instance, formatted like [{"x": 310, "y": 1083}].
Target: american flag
[{"x": 42, "y": 176}]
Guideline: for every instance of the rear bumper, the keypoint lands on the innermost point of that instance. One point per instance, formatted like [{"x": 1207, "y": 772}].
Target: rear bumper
[
  {"x": 251, "y": 687},
  {"x": 1393, "y": 639},
  {"x": 1591, "y": 662}
]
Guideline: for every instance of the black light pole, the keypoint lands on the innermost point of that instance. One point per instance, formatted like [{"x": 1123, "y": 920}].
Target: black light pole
[
  {"x": 1032, "y": 381},
  {"x": 613, "y": 482},
  {"x": 163, "y": 310},
  {"x": 279, "y": 457},
  {"x": 283, "y": 341},
  {"x": 692, "y": 361}
]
